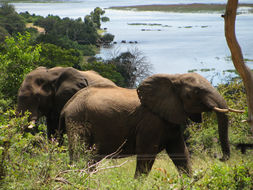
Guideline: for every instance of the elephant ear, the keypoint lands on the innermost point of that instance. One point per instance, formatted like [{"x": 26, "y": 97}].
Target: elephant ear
[
  {"x": 68, "y": 82},
  {"x": 159, "y": 94}
]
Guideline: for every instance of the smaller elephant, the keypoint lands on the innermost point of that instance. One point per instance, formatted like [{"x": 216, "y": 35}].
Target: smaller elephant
[
  {"x": 142, "y": 122},
  {"x": 44, "y": 92}
]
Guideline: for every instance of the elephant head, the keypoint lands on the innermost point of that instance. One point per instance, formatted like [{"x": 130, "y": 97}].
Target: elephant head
[
  {"x": 44, "y": 92},
  {"x": 180, "y": 96}
]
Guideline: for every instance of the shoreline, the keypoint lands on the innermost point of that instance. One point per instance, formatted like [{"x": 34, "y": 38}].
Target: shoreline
[{"x": 181, "y": 8}]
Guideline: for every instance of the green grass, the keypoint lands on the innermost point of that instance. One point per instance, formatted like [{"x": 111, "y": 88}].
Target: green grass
[
  {"x": 181, "y": 8},
  {"x": 47, "y": 171}
]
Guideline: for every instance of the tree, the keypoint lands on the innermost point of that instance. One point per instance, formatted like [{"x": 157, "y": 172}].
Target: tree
[
  {"x": 133, "y": 66},
  {"x": 11, "y": 20},
  {"x": 105, "y": 19},
  {"x": 84, "y": 33},
  {"x": 52, "y": 55},
  {"x": 96, "y": 16},
  {"x": 237, "y": 56},
  {"x": 107, "y": 38}
]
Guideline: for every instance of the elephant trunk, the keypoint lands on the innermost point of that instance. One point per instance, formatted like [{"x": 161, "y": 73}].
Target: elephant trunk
[
  {"x": 216, "y": 102},
  {"x": 21, "y": 109},
  {"x": 222, "y": 119},
  {"x": 223, "y": 135}
]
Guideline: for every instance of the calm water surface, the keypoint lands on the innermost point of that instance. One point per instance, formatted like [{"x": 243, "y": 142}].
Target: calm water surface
[{"x": 178, "y": 43}]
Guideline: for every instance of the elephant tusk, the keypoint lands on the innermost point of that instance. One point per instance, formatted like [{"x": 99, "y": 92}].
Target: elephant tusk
[
  {"x": 227, "y": 110},
  {"x": 32, "y": 124},
  {"x": 236, "y": 111}
]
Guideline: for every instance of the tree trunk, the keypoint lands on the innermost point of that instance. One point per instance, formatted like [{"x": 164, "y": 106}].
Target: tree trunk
[{"x": 237, "y": 57}]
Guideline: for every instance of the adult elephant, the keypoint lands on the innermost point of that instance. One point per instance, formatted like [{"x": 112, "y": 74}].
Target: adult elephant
[
  {"x": 44, "y": 92},
  {"x": 145, "y": 121}
]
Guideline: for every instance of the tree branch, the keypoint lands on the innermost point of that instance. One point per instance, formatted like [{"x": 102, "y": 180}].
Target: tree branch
[{"x": 237, "y": 56}]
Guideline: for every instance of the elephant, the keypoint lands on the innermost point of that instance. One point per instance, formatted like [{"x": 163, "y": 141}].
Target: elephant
[
  {"x": 143, "y": 122},
  {"x": 44, "y": 92}
]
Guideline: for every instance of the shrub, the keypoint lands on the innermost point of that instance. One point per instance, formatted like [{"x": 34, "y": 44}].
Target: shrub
[
  {"x": 16, "y": 60},
  {"x": 107, "y": 38},
  {"x": 52, "y": 55}
]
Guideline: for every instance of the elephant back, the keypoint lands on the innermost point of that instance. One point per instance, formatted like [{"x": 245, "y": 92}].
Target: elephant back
[{"x": 93, "y": 78}]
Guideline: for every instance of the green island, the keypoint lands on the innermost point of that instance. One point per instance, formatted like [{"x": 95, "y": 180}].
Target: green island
[{"x": 182, "y": 8}]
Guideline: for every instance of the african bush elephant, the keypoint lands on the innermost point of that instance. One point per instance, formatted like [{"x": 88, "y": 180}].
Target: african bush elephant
[
  {"x": 44, "y": 92},
  {"x": 147, "y": 119}
]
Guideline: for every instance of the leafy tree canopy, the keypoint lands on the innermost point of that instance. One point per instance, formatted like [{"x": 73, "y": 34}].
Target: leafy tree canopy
[
  {"x": 11, "y": 20},
  {"x": 52, "y": 55}
]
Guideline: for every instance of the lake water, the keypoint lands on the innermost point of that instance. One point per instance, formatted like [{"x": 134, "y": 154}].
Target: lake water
[{"x": 177, "y": 43}]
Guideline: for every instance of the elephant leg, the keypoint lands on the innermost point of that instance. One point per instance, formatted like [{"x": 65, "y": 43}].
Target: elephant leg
[
  {"x": 179, "y": 153},
  {"x": 149, "y": 142},
  {"x": 49, "y": 127},
  {"x": 52, "y": 125},
  {"x": 79, "y": 138},
  {"x": 143, "y": 165}
]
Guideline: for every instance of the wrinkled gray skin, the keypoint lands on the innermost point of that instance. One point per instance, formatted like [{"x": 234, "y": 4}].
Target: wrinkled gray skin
[
  {"x": 147, "y": 120},
  {"x": 44, "y": 92}
]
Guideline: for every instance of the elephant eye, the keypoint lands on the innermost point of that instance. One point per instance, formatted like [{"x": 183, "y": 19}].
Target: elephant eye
[
  {"x": 46, "y": 87},
  {"x": 39, "y": 81}
]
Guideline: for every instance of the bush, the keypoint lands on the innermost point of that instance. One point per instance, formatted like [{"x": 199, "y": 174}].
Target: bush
[
  {"x": 52, "y": 55},
  {"x": 17, "y": 58},
  {"x": 107, "y": 38}
]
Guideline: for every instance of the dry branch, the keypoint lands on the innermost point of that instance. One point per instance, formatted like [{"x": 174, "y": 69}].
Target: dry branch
[{"x": 96, "y": 167}]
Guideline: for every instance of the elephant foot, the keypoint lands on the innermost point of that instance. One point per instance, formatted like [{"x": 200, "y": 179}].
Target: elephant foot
[
  {"x": 224, "y": 158},
  {"x": 143, "y": 166}
]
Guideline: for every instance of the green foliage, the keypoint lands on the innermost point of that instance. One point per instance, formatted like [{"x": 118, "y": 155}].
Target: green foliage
[
  {"x": 30, "y": 18},
  {"x": 17, "y": 58},
  {"x": 105, "y": 19},
  {"x": 11, "y": 20},
  {"x": 24, "y": 156},
  {"x": 106, "y": 70},
  {"x": 222, "y": 176},
  {"x": 3, "y": 34},
  {"x": 107, "y": 38},
  {"x": 88, "y": 50},
  {"x": 52, "y": 55},
  {"x": 96, "y": 16},
  {"x": 74, "y": 29},
  {"x": 66, "y": 43}
]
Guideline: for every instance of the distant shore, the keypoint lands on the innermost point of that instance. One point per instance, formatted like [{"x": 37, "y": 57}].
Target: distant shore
[{"x": 184, "y": 8}]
